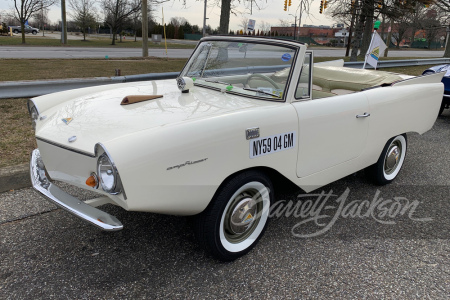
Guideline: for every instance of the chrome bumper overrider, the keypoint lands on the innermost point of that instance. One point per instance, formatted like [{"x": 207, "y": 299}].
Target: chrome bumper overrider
[{"x": 54, "y": 194}]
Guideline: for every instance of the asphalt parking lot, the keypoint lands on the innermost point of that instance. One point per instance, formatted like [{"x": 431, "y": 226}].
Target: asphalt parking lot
[{"x": 47, "y": 253}]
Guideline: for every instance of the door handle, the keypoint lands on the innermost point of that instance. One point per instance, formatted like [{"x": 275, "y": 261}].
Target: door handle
[{"x": 364, "y": 115}]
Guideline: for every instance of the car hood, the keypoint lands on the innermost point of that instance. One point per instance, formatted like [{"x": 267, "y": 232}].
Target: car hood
[{"x": 99, "y": 117}]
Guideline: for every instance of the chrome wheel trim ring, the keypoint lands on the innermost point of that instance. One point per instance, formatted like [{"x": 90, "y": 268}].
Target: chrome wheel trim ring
[
  {"x": 241, "y": 241},
  {"x": 394, "y": 157}
]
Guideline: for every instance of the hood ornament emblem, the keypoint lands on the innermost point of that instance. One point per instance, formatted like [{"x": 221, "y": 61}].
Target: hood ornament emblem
[
  {"x": 67, "y": 120},
  {"x": 72, "y": 139}
]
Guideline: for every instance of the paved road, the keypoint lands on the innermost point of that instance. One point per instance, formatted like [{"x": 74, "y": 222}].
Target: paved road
[
  {"x": 81, "y": 52},
  {"x": 46, "y": 253}
]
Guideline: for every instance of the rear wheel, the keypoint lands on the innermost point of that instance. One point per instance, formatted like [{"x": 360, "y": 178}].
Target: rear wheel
[
  {"x": 16, "y": 31},
  {"x": 441, "y": 110},
  {"x": 237, "y": 216},
  {"x": 390, "y": 162}
]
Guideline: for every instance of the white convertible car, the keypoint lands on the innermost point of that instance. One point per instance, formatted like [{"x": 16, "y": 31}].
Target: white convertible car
[{"x": 242, "y": 112}]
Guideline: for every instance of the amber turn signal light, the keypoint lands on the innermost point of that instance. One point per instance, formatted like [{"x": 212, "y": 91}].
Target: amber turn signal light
[{"x": 92, "y": 181}]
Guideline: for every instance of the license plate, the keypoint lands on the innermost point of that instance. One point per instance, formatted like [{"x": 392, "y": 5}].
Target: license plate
[{"x": 272, "y": 144}]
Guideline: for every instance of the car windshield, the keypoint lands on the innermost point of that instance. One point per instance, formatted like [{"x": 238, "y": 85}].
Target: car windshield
[{"x": 251, "y": 69}]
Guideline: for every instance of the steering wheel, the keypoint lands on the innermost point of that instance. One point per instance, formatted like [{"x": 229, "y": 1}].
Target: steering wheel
[{"x": 262, "y": 77}]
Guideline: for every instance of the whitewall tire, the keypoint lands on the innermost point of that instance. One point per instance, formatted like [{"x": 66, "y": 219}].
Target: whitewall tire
[
  {"x": 237, "y": 216},
  {"x": 391, "y": 160}
]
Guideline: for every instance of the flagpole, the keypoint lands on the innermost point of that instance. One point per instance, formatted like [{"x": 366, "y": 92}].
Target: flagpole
[{"x": 368, "y": 50}]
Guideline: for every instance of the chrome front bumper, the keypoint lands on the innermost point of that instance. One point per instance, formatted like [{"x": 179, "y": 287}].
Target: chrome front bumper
[{"x": 54, "y": 194}]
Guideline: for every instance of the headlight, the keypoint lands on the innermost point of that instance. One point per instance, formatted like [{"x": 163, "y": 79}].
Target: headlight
[
  {"x": 107, "y": 173},
  {"x": 34, "y": 113}
]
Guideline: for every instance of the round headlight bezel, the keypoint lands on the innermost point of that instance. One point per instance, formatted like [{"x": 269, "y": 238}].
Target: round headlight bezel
[
  {"x": 105, "y": 169},
  {"x": 34, "y": 112}
]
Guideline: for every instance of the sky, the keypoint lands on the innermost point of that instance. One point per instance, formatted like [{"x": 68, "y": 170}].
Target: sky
[{"x": 271, "y": 12}]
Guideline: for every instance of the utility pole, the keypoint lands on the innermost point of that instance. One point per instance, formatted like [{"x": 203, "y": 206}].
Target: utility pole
[
  {"x": 144, "y": 29},
  {"x": 295, "y": 27},
  {"x": 295, "y": 23},
  {"x": 63, "y": 23},
  {"x": 204, "y": 19}
]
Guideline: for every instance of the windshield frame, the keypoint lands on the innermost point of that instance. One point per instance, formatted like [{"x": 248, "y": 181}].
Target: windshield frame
[{"x": 293, "y": 45}]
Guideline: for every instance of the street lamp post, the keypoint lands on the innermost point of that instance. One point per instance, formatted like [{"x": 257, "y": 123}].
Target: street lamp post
[
  {"x": 204, "y": 19},
  {"x": 295, "y": 24}
]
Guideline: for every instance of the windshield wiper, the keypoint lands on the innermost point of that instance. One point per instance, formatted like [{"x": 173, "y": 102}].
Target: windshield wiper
[
  {"x": 217, "y": 81},
  {"x": 259, "y": 91}
]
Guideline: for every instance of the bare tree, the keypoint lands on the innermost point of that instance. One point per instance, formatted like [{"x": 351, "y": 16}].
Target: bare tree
[
  {"x": 228, "y": 7},
  {"x": 83, "y": 14},
  {"x": 137, "y": 21},
  {"x": 25, "y": 9},
  {"x": 432, "y": 24},
  {"x": 284, "y": 23},
  {"x": 225, "y": 10},
  {"x": 444, "y": 5},
  {"x": 243, "y": 24},
  {"x": 178, "y": 21},
  {"x": 264, "y": 26},
  {"x": 116, "y": 12},
  {"x": 403, "y": 26},
  {"x": 41, "y": 18}
]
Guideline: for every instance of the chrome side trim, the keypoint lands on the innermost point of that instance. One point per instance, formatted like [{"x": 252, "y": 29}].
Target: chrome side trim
[
  {"x": 55, "y": 195},
  {"x": 65, "y": 147}
]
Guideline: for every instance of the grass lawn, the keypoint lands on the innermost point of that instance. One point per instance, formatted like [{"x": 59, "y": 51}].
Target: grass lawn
[
  {"x": 90, "y": 42},
  {"x": 17, "y": 136},
  {"x": 36, "y": 69}
]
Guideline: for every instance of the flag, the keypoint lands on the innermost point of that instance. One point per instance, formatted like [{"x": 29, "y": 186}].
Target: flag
[
  {"x": 377, "y": 46},
  {"x": 26, "y": 23}
]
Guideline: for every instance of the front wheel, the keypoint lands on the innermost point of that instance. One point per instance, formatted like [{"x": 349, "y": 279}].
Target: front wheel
[
  {"x": 237, "y": 216},
  {"x": 34, "y": 32},
  {"x": 390, "y": 162}
]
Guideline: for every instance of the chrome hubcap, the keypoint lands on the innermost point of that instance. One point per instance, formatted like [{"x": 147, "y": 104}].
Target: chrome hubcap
[
  {"x": 242, "y": 216},
  {"x": 393, "y": 157}
]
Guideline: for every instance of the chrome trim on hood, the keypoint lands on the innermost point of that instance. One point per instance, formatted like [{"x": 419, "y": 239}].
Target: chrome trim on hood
[{"x": 65, "y": 147}]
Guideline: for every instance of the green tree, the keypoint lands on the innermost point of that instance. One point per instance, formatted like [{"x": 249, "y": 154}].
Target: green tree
[{"x": 84, "y": 14}]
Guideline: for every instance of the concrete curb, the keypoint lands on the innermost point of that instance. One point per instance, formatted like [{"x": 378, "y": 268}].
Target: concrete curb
[{"x": 14, "y": 177}]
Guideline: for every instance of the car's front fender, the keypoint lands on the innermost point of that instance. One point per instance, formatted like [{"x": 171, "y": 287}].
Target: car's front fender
[{"x": 177, "y": 169}]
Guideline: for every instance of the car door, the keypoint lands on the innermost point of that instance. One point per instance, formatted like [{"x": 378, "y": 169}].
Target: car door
[{"x": 332, "y": 130}]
